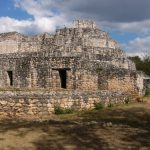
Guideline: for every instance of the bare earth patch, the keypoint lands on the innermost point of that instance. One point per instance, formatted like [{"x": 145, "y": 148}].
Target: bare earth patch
[{"x": 117, "y": 128}]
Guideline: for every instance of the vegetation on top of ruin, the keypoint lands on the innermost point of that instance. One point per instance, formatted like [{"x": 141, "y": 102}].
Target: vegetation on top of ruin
[
  {"x": 147, "y": 93},
  {"x": 142, "y": 64}
]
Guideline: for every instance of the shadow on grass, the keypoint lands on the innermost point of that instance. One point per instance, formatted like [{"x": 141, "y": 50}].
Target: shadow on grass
[
  {"x": 134, "y": 117},
  {"x": 72, "y": 138},
  {"x": 132, "y": 126}
]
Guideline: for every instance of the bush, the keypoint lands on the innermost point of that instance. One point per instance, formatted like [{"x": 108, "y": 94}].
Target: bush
[
  {"x": 98, "y": 70},
  {"x": 59, "y": 110},
  {"x": 110, "y": 105},
  {"x": 142, "y": 65},
  {"x": 99, "y": 105},
  {"x": 68, "y": 111},
  {"x": 127, "y": 100},
  {"x": 147, "y": 92}
]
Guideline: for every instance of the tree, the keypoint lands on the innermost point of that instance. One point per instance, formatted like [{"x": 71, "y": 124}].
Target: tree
[{"x": 142, "y": 65}]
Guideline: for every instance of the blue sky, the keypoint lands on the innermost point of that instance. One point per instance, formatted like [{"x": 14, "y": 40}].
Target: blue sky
[
  {"x": 8, "y": 9},
  {"x": 128, "y": 21}
]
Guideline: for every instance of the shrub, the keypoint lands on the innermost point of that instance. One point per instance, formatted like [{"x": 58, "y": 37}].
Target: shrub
[
  {"x": 147, "y": 92},
  {"x": 99, "y": 105},
  {"x": 142, "y": 65},
  {"x": 98, "y": 70},
  {"x": 68, "y": 111},
  {"x": 127, "y": 100},
  {"x": 59, "y": 110},
  {"x": 110, "y": 105}
]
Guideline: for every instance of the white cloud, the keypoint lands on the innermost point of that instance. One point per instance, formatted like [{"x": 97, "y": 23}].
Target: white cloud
[
  {"x": 48, "y": 14},
  {"x": 37, "y": 8},
  {"x": 10, "y": 24},
  {"x": 139, "y": 46},
  {"x": 36, "y": 26},
  {"x": 46, "y": 10},
  {"x": 45, "y": 18}
]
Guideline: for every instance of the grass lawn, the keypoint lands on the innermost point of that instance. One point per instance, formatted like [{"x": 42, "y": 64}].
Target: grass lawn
[{"x": 125, "y": 127}]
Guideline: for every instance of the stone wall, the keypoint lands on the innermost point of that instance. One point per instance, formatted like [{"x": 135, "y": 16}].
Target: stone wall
[
  {"x": 83, "y": 40},
  {"x": 84, "y": 24},
  {"x": 13, "y": 42},
  {"x": 43, "y": 103},
  {"x": 115, "y": 79},
  {"x": 74, "y": 66},
  {"x": 127, "y": 84},
  {"x": 38, "y": 70}
]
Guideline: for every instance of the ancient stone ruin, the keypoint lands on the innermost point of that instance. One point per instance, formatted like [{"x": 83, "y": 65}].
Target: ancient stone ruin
[{"x": 73, "y": 68}]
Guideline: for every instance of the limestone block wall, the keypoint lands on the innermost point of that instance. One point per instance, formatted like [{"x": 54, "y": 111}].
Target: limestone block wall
[
  {"x": 84, "y": 37},
  {"x": 43, "y": 103},
  {"x": 15, "y": 46},
  {"x": 41, "y": 71},
  {"x": 143, "y": 82},
  {"x": 123, "y": 63},
  {"x": 100, "y": 42},
  {"x": 13, "y": 42},
  {"x": 127, "y": 84},
  {"x": 140, "y": 84},
  {"x": 94, "y": 42},
  {"x": 29, "y": 46},
  {"x": 108, "y": 53},
  {"x": 86, "y": 80},
  {"x": 83, "y": 40},
  {"x": 10, "y": 46},
  {"x": 84, "y": 24},
  {"x": 67, "y": 59},
  {"x": 118, "y": 80},
  {"x": 112, "y": 44}
]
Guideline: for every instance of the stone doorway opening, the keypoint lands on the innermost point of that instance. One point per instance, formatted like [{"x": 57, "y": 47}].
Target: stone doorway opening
[
  {"x": 61, "y": 75},
  {"x": 10, "y": 78},
  {"x": 63, "y": 78}
]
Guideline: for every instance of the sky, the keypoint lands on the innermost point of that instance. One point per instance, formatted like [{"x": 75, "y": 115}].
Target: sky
[{"x": 127, "y": 21}]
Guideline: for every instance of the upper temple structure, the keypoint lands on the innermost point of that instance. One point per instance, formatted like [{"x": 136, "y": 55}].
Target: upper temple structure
[
  {"x": 79, "y": 58},
  {"x": 74, "y": 68}
]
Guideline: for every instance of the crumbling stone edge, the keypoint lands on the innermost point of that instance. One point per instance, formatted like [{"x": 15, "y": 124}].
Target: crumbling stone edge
[{"x": 43, "y": 103}]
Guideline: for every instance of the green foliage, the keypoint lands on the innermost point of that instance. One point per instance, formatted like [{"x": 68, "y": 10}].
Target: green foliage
[
  {"x": 147, "y": 93},
  {"x": 110, "y": 105},
  {"x": 127, "y": 100},
  {"x": 60, "y": 110},
  {"x": 99, "y": 106},
  {"x": 142, "y": 65},
  {"x": 98, "y": 70},
  {"x": 68, "y": 111}
]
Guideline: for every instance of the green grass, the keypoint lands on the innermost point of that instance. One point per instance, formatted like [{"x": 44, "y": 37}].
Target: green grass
[
  {"x": 99, "y": 106},
  {"x": 147, "y": 93},
  {"x": 58, "y": 110}
]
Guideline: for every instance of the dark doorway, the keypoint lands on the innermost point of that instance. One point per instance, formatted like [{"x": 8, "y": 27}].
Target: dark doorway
[
  {"x": 10, "y": 76},
  {"x": 63, "y": 78}
]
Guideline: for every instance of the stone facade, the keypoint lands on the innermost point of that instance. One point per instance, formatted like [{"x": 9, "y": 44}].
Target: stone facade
[
  {"x": 43, "y": 103},
  {"x": 80, "y": 58}
]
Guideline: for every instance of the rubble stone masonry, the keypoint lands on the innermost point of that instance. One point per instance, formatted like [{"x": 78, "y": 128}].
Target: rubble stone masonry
[{"x": 76, "y": 66}]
